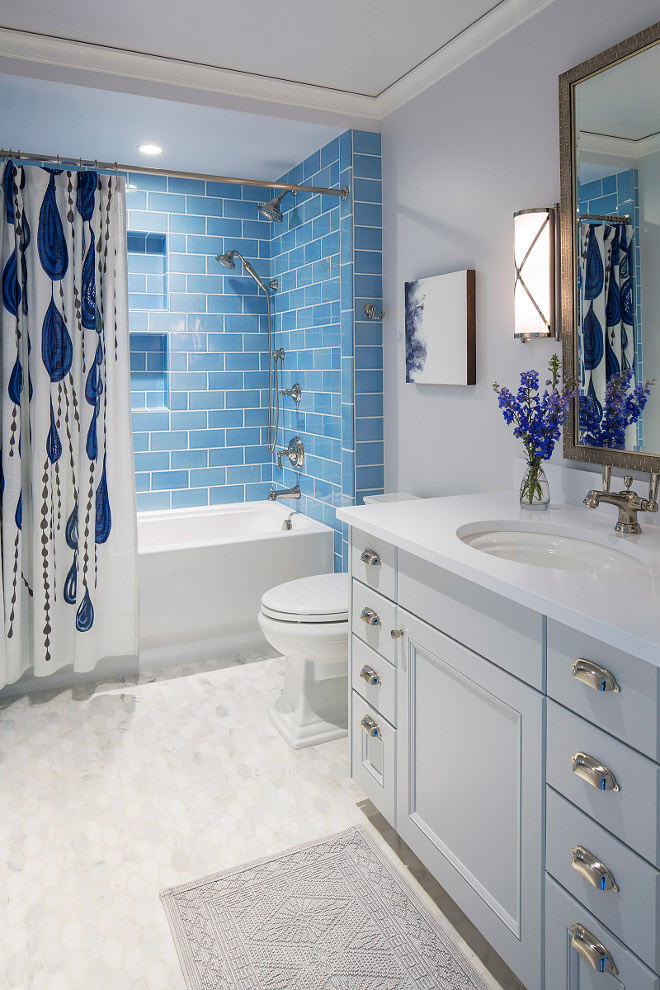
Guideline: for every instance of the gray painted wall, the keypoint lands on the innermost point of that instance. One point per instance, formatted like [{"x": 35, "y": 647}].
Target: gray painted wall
[{"x": 458, "y": 161}]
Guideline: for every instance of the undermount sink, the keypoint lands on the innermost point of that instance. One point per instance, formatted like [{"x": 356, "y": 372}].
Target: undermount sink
[{"x": 551, "y": 549}]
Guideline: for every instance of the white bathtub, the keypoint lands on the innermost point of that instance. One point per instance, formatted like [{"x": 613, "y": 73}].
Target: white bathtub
[{"x": 201, "y": 575}]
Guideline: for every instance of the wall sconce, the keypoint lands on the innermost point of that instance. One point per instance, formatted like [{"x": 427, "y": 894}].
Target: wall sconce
[{"x": 535, "y": 290}]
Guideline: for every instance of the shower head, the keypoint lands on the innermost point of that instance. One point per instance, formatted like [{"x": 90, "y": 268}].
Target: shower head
[
  {"x": 227, "y": 259},
  {"x": 272, "y": 211}
]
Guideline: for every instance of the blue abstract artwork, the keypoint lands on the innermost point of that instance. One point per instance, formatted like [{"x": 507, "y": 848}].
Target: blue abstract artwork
[{"x": 440, "y": 330}]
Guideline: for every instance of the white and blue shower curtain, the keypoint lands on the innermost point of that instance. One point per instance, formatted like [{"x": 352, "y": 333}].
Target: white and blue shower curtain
[
  {"x": 68, "y": 551},
  {"x": 606, "y": 338}
]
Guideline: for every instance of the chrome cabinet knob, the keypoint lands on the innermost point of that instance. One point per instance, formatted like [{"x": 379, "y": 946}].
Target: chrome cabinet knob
[
  {"x": 369, "y": 675},
  {"x": 370, "y": 557},
  {"x": 591, "y": 869},
  {"x": 593, "y": 675},
  {"x": 396, "y": 633},
  {"x": 370, "y": 727},
  {"x": 591, "y": 949},
  {"x": 370, "y": 617},
  {"x": 594, "y": 773}
]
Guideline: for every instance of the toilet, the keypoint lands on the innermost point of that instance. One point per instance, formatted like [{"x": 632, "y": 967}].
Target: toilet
[{"x": 307, "y": 621}]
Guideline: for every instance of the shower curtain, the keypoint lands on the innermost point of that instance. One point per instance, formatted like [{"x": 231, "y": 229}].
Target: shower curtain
[
  {"x": 606, "y": 340},
  {"x": 68, "y": 552}
]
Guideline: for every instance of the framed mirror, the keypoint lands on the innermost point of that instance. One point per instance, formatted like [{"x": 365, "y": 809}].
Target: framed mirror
[{"x": 609, "y": 130}]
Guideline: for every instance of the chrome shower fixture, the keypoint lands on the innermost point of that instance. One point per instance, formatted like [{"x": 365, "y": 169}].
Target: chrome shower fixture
[
  {"x": 227, "y": 259},
  {"x": 272, "y": 211}
]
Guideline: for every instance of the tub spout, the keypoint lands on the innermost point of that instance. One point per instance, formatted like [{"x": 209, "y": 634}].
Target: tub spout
[{"x": 284, "y": 493}]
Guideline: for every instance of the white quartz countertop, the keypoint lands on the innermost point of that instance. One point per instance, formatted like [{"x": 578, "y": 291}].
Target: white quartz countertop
[{"x": 622, "y": 609}]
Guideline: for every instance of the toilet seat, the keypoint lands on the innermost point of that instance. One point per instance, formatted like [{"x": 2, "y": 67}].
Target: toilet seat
[{"x": 320, "y": 598}]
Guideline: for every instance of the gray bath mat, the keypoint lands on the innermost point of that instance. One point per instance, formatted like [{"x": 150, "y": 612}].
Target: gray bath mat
[{"x": 330, "y": 915}]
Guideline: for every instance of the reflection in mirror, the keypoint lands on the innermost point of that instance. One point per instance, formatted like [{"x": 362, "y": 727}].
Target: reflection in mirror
[{"x": 617, "y": 196}]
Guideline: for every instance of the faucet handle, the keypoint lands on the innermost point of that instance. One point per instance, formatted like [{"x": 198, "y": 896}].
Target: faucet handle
[{"x": 628, "y": 481}]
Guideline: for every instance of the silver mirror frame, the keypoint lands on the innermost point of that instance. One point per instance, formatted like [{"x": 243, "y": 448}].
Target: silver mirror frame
[{"x": 568, "y": 234}]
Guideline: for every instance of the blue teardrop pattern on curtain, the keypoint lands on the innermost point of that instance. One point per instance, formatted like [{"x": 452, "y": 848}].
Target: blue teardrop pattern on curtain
[
  {"x": 11, "y": 290},
  {"x": 15, "y": 386},
  {"x": 85, "y": 614},
  {"x": 613, "y": 307},
  {"x": 91, "y": 445},
  {"x": 595, "y": 273},
  {"x": 91, "y": 385},
  {"x": 87, "y": 182},
  {"x": 8, "y": 189},
  {"x": 53, "y": 252},
  {"x": 71, "y": 582},
  {"x": 88, "y": 290},
  {"x": 612, "y": 366},
  {"x": 103, "y": 513},
  {"x": 627, "y": 302},
  {"x": 53, "y": 442},
  {"x": 71, "y": 531},
  {"x": 56, "y": 347},
  {"x": 18, "y": 517},
  {"x": 591, "y": 394},
  {"x": 592, "y": 335}
]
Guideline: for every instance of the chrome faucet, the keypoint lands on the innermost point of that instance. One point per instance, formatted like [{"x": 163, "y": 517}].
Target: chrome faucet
[
  {"x": 628, "y": 503},
  {"x": 284, "y": 493}
]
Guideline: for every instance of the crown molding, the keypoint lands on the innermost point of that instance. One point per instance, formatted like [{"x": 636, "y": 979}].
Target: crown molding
[
  {"x": 606, "y": 144},
  {"x": 92, "y": 64}
]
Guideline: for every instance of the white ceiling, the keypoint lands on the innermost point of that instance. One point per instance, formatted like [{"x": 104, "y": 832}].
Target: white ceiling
[
  {"x": 57, "y": 118},
  {"x": 361, "y": 47}
]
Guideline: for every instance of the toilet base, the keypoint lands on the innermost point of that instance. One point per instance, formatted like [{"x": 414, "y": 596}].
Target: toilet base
[{"x": 299, "y": 736}]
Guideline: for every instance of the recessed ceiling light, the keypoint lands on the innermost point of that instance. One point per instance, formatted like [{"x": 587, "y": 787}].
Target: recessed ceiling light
[{"x": 150, "y": 149}]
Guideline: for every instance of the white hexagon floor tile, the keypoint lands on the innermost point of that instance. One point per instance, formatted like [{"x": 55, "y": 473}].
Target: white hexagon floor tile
[{"x": 112, "y": 791}]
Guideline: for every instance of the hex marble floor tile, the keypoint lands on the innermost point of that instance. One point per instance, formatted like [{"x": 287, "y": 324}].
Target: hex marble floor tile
[{"x": 111, "y": 791}]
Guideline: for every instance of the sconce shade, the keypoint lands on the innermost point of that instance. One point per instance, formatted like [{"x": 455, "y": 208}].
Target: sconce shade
[{"x": 534, "y": 287}]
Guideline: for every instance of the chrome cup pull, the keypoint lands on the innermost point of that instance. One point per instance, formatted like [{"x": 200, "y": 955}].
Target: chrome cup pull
[
  {"x": 370, "y": 727},
  {"x": 370, "y": 617},
  {"x": 369, "y": 675},
  {"x": 370, "y": 557},
  {"x": 593, "y": 675},
  {"x": 591, "y": 949},
  {"x": 594, "y": 773},
  {"x": 591, "y": 869}
]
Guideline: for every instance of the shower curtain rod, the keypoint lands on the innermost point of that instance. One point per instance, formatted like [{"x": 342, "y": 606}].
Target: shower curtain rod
[
  {"x": 61, "y": 160},
  {"x": 612, "y": 218}
]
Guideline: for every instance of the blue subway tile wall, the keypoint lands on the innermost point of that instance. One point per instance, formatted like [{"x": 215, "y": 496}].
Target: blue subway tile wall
[
  {"x": 312, "y": 254},
  {"x": 199, "y": 361},
  {"x": 198, "y": 343}
]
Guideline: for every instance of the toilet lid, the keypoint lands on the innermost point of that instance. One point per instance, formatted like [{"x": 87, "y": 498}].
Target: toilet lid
[{"x": 320, "y": 598}]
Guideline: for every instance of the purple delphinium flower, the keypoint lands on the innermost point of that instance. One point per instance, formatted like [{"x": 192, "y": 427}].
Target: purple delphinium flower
[
  {"x": 537, "y": 418},
  {"x": 622, "y": 408}
]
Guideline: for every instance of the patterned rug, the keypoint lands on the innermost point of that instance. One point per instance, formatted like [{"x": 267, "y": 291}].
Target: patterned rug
[{"x": 329, "y": 915}]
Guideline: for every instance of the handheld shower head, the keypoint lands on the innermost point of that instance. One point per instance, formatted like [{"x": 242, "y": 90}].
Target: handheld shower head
[
  {"x": 227, "y": 259},
  {"x": 272, "y": 211}
]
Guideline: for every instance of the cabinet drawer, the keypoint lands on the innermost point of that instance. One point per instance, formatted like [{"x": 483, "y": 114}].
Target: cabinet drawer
[
  {"x": 373, "y": 757},
  {"x": 630, "y": 713},
  {"x": 373, "y": 562},
  {"x": 381, "y": 696},
  {"x": 565, "y": 969},
  {"x": 632, "y": 812},
  {"x": 380, "y": 615},
  {"x": 632, "y": 911},
  {"x": 504, "y": 632}
]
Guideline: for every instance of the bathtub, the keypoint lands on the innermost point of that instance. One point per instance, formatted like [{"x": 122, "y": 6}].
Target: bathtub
[
  {"x": 201, "y": 575},
  {"x": 202, "y": 572}
]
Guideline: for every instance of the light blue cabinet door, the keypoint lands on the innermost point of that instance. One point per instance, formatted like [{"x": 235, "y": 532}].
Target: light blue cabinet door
[{"x": 470, "y": 790}]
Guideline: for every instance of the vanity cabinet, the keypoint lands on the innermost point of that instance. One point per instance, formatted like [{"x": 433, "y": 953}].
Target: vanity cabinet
[{"x": 519, "y": 760}]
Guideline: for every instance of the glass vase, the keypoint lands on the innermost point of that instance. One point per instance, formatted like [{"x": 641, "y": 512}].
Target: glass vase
[{"x": 534, "y": 488}]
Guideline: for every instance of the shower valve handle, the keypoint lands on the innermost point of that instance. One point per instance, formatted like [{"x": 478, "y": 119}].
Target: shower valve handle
[{"x": 295, "y": 392}]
